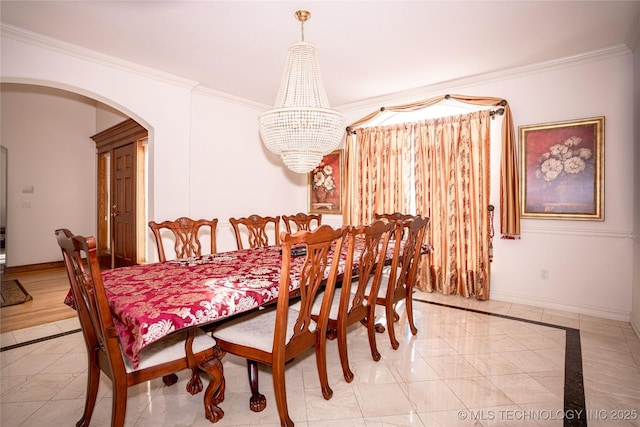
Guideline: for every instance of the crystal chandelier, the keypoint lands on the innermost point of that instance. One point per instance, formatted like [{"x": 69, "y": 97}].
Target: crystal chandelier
[{"x": 301, "y": 127}]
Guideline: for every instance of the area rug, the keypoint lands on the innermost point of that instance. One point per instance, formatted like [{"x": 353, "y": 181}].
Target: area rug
[{"x": 13, "y": 293}]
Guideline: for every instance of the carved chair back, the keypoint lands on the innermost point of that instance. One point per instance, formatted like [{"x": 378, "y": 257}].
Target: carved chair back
[
  {"x": 256, "y": 231},
  {"x": 302, "y": 221},
  {"x": 186, "y": 234}
]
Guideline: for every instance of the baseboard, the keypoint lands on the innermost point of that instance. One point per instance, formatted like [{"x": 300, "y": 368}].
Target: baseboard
[
  {"x": 558, "y": 305},
  {"x": 33, "y": 267},
  {"x": 635, "y": 325}
]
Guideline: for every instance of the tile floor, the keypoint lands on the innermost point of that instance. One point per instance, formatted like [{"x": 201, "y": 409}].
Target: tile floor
[{"x": 464, "y": 368}]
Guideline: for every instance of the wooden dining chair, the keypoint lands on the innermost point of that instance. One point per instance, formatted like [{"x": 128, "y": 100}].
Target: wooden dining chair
[
  {"x": 359, "y": 290},
  {"x": 259, "y": 231},
  {"x": 186, "y": 235},
  {"x": 392, "y": 217},
  {"x": 274, "y": 337},
  {"x": 302, "y": 221},
  {"x": 398, "y": 281},
  {"x": 187, "y": 349}
]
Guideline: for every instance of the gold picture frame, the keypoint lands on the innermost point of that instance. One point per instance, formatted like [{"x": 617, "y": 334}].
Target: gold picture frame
[
  {"x": 562, "y": 170},
  {"x": 325, "y": 184}
]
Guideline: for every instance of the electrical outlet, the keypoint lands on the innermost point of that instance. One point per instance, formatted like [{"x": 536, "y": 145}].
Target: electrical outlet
[
  {"x": 544, "y": 274},
  {"x": 26, "y": 204}
]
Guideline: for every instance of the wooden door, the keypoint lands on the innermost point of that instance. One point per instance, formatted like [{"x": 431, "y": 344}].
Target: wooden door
[
  {"x": 123, "y": 210},
  {"x": 121, "y": 194}
]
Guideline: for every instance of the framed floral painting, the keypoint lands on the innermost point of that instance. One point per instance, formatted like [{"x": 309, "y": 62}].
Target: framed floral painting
[
  {"x": 325, "y": 184},
  {"x": 562, "y": 173}
]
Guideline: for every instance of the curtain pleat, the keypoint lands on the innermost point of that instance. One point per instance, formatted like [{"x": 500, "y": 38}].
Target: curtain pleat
[
  {"x": 376, "y": 168},
  {"x": 452, "y": 189}
]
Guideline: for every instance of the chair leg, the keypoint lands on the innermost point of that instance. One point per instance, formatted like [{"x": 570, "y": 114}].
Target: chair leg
[
  {"x": 280, "y": 390},
  {"x": 257, "y": 402},
  {"x": 194, "y": 386},
  {"x": 390, "y": 312},
  {"x": 93, "y": 383},
  {"x": 409, "y": 309},
  {"x": 170, "y": 379},
  {"x": 371, "y": 332},
  {"x": 332, "y": 333},
  {"x": 119, "y": 403},
  {"x": 342, "y": 350},
  {"x": 321, "y": 361},
  {"x": 379, "y": 323},
  {"x": 214, "y": 394}
]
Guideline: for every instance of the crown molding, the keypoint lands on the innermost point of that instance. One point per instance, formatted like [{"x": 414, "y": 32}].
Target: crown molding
[
  {"x": 230, "y": 98},
  {"x": 505, "y": 74},
  {"x": 36, "y": 39}
]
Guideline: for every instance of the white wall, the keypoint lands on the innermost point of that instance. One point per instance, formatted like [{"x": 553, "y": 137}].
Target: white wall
[
  {"x": 231, "y": 173},
  {"x": 107, "y": 117},
  {"x": 589, "y": 263},
  {"x": 206, "y": 159},
  {"x": 46, "y": 131}
]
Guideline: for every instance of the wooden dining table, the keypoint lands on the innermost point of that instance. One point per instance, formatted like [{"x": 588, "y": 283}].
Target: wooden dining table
[{"x": 150, "y": 301}]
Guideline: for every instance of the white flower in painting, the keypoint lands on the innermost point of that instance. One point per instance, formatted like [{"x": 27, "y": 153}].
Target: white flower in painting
[
  {"x": 323, "y": 177},
  {"x": 574, "y": 165},
  {"x": 585, "y": 153},
  {"x": 573, "y": 141},
  {"x": 558, "y": 150},
  {"x": 564, "y": 161},
  {"x": 551, "y": 168}
]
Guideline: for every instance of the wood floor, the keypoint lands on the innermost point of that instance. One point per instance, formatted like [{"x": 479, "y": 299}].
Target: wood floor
[{"x": 48, "y": 289}]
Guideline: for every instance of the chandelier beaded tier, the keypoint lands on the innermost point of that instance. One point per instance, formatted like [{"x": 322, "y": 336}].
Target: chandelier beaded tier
[{"x": 301, "y": 127}]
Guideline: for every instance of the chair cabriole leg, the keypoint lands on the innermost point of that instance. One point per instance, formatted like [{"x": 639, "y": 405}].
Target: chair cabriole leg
[
  {"x": 281, "y": 395},
  {"x": 371, "y": 332},
  {"x": 93, "y": 383},
  {"x": 119, "y": 404},
  {"x": 257, "y": 402},
  {"x": 409, "y": 309},
  {"x": 214, "y": 394}
]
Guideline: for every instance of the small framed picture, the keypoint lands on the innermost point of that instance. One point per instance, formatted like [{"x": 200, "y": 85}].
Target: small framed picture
[
  {"x": 562, "y": 173},
  {"x": 325, "y": 184}
]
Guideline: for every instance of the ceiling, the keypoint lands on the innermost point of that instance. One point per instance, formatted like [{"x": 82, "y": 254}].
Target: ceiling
[{"x": 366, "y": 49}]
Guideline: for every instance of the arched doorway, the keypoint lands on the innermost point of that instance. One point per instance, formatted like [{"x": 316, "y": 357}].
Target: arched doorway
[{"x": 51, "y": 172}]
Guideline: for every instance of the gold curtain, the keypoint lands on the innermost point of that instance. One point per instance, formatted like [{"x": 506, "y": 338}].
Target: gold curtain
[
  {"x": 509, "y": 187},
  {"x": 376, "y": 172},
  {"x": 460, "y": 267},
  {"x": 452, "y": 189}
]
